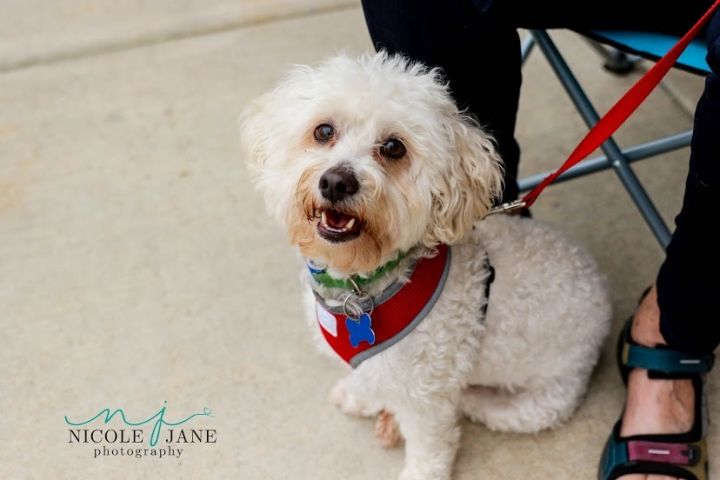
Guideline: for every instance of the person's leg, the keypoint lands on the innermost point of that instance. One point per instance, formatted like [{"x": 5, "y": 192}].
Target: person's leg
[{"x": 688, "y": 278}]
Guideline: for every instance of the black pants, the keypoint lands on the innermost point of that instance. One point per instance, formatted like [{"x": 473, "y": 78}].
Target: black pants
[{"x": 477, "y": 45}]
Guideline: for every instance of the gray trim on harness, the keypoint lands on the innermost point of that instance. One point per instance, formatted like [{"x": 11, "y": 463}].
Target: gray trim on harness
[{"x": 362, "y": 356}]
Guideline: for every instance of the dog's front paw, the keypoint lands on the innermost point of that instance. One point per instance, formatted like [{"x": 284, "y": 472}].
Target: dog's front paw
[
  {"x": 348, "y": 403},
  {"x": 387, "y": 430}
]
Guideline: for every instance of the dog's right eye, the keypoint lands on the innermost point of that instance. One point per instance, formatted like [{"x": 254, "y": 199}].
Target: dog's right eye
[{"x": 324, "y": 133}]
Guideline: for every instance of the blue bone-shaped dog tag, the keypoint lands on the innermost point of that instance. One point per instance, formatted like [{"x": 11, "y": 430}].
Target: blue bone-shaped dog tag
[{"x": 360, "y": 330}]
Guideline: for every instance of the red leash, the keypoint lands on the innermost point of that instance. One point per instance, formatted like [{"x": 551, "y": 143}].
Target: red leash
[{"x": 617, "y": 115}]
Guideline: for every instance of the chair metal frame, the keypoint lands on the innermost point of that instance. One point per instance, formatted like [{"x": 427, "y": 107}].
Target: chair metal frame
[{"x": 615, "y": 158}]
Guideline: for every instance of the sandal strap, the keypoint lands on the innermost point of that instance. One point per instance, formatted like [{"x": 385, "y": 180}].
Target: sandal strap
[
  {"x": 667, "y": 361},
  {"x": 663, "y": 360},
  {"x": 661, "y": 452},
  {"x": 687, "y": 460}
]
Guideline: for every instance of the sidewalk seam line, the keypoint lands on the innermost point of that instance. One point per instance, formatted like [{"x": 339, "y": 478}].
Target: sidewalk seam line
[{"x": 160, "y": 37}]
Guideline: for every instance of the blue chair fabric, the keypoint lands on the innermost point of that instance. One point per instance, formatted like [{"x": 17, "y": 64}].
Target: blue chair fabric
[{"x": 653, "y": 46}]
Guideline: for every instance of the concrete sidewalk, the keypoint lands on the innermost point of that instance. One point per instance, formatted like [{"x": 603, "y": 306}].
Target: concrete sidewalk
[{"x": 138, "y": 266}]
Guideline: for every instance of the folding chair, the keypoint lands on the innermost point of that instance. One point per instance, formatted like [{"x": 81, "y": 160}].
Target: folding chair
[{"x": 644, "y": 44}]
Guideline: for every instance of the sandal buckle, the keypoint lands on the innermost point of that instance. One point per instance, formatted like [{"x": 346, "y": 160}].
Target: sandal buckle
[{"x": 660, "y": 452}]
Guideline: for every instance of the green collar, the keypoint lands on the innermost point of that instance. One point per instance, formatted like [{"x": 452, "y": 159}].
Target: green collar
[{"x": 354, "y": 281}]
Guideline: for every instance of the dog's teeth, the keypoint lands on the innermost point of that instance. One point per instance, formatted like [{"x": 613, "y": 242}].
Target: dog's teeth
[{"x": 347, "y": 227}]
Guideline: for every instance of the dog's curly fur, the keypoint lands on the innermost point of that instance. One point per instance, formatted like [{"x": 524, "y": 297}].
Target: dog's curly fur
[{"x": 523, "y": 367}]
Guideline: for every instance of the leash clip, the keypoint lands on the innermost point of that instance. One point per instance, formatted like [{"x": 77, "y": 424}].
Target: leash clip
[{"x": 508, "y": 207}]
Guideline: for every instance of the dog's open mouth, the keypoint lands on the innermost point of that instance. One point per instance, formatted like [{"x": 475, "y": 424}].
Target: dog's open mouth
[{"x": 335, "y": 226}]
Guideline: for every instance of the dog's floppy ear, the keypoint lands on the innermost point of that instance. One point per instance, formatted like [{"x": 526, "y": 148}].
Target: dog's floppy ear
[
  {"x": 261, "y": 118},
  {"x": 469, "y": 184},
  {"x": 253, "y": 133}
]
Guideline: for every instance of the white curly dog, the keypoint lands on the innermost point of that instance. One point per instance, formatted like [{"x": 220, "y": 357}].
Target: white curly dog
[{"x": 371, "y": 168}]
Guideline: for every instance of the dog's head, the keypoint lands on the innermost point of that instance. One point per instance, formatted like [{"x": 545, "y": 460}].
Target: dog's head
[{"x": 362, "y": 158}]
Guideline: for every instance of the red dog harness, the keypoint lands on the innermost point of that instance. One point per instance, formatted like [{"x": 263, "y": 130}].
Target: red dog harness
[{"x": 397, "y": 311}]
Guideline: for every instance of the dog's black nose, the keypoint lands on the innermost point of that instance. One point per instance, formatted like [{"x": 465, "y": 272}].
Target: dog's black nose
[{"x": 337, "y": 183}]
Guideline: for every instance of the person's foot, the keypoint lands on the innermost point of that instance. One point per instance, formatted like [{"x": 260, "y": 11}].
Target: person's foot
[{"x": 654, "y": 406}]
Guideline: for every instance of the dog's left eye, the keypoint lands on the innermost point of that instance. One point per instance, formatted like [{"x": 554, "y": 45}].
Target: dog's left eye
[{"x": 392, "y": 148}]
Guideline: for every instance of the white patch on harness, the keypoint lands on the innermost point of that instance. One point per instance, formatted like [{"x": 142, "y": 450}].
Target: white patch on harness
[{"x": 326, "y": 320}]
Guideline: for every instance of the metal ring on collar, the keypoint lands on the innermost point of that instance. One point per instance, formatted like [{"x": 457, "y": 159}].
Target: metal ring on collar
[{"x": 358, "y": 308}]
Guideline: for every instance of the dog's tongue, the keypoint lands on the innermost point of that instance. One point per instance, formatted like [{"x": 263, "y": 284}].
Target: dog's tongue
[{"x": 336, "y": 219}]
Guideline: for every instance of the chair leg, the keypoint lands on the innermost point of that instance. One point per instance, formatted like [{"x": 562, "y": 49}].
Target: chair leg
[
  {"x": 526, "y": 47},
  {"x": 614, "y": 155}
]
